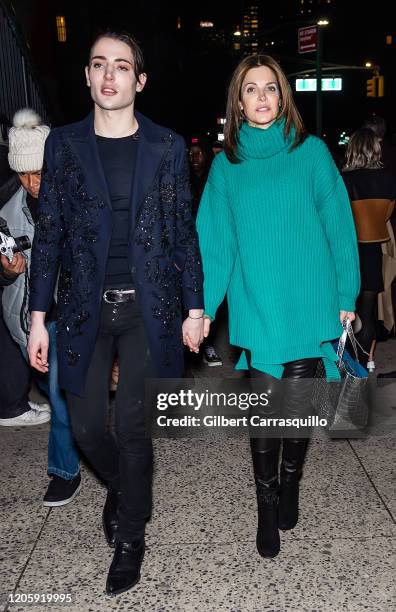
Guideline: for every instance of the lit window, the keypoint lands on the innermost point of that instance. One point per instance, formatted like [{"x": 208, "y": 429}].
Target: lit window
[{"x": 61, "y": 28}]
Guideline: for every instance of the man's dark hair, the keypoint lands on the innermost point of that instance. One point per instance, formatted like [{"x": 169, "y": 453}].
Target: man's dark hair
[
  {"x": 129, "y": 40},
  {"x": 377, "y": 124}
]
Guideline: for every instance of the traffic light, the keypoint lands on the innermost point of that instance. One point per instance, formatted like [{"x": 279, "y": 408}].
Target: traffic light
[
  {"x": 375, "y": 87},
  {"x": 380, "y": 86},
  {"x": 371, "y": 88}
]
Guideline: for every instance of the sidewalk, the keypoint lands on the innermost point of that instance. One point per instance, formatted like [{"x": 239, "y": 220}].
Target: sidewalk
[{"x": 201, "y": 552}]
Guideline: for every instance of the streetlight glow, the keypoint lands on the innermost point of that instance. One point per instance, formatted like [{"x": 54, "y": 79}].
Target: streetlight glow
[{"x": 323, "y": 22}]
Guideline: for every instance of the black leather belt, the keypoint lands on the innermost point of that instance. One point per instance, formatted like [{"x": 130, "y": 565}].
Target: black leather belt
[{"x": 116, "y": 296}]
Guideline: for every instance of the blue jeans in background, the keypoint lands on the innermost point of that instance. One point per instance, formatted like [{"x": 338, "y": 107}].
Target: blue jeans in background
[{"x": 63, "y": 457}]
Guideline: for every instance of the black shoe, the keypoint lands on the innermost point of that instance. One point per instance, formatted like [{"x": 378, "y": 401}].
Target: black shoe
[
  {"x": 61, "y": 491},
  {"x": 124, "y": 570},
  {"x": 210, "y": 357},
  {"x": 110, "y": 516},
  {"x": 267, "y": 540},
  {"x": 293, "y": 455},
  {"x": 288, "y": 505}
]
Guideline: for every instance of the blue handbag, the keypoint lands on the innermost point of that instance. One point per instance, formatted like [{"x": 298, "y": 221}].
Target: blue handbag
[{"x": 351, "y": 365}]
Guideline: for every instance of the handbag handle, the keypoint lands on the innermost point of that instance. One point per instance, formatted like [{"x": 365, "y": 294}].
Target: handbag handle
[{"x": 348, "y": 332}]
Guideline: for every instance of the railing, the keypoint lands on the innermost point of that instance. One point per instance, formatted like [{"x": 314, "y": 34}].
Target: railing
[{"x": 19, "y": 84}]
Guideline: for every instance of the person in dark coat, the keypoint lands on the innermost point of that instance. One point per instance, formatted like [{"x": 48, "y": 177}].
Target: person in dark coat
[
  {"x": 115, "y": 221},
  {"x": 200, "y": 162}
]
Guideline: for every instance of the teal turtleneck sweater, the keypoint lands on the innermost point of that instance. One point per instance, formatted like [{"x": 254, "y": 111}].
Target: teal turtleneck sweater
[{"x": 278, "y": 238}]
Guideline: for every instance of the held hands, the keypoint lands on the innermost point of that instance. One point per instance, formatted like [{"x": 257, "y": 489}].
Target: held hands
[
  {"x": 15, "y": 267},
  {"x": 347, "y": 315},
  {"x": 38, "y": 345},
  {"x": 195, "y": 329}
]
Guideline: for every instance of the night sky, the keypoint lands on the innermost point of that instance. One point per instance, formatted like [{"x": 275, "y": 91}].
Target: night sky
[{"x": 188, "y": 78}]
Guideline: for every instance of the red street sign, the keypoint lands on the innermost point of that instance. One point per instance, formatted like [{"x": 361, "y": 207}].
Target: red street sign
[{"x": 307, "y": 39}]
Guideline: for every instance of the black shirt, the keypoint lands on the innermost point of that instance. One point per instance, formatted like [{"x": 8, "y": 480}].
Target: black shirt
[
  {"x": 197, "y": 186},
  {"x": 118, "y": 157}
]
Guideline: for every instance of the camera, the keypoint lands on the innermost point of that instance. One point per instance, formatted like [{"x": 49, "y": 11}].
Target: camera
[{"x": 10, "y": 245}]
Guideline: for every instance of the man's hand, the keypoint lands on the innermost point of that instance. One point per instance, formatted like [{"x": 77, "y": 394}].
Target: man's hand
[
  {"x": 38, "y": 343},
  {"x": 207, "y": 323},
  {"x": 193, "y": 330},
  {"x": 16, "y": 267}
]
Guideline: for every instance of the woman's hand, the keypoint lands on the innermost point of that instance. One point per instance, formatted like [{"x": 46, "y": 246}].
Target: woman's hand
[
  {"x": 193, "y": 330},
  {"x": 207, "y": 323},
  {"x": 347, "y": 315}
]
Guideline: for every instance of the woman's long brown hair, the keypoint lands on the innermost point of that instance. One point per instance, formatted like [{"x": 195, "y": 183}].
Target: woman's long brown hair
[{"x": 233, "y": 115}]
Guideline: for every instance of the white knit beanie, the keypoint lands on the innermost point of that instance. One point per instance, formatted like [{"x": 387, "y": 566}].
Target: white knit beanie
[{"x": 26, "y": 141}]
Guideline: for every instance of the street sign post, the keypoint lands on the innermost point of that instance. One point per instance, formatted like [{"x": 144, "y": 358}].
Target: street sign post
[
  {"x": 328, "y": 84},
  {"x": 307, "y": 39},
  {"x": 310, "y": 39}
]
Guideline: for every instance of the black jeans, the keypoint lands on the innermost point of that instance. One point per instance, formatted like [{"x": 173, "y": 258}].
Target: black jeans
[
  {"x": 15, "y": 376},
  {"x": 366, "y": 307},
  {"x": 123, "y": 459},
  {"x": 290, "y": 398}
]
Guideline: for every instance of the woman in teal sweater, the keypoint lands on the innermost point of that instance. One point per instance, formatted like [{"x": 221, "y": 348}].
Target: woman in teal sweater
[{"x": 278, "y": 238}]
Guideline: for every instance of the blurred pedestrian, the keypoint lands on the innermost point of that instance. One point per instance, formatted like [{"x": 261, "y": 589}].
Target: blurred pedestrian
[
  {"x": 372, "y": 191},
  {"x": 200, "y": 162},
  {"x": 377, "y": 124},
  {"x": 15, "y": 376}
]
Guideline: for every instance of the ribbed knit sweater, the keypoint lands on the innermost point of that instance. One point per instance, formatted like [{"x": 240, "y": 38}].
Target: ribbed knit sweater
[{"x": 278, "y": 238}]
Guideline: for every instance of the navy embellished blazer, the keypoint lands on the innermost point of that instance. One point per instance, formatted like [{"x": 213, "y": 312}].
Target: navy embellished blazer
[{"x": 72, "y": 238}]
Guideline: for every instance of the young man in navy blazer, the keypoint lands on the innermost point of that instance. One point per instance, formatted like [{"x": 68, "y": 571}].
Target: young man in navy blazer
[{"x": 115, "y": 231}]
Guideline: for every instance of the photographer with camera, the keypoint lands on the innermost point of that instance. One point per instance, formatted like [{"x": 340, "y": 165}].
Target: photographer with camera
[
  {"x": 17, "y": 225},
  {"x": 15, "y": 374}
]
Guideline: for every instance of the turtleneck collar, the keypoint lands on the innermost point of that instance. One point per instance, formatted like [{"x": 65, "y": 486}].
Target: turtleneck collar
[{"x": 260, "y": 143}]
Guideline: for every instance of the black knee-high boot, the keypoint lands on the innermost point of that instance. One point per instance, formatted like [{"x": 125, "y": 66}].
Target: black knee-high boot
[
  {"x": 293, "y": 455},
  {"x": 265, "y": 455},
  {"x": 297, "y": 389}
]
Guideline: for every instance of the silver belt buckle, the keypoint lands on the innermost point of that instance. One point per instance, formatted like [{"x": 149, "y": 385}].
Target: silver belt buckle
[
  {"x": 118, "y": 292},
  {"x": 106, "y": 298}
]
